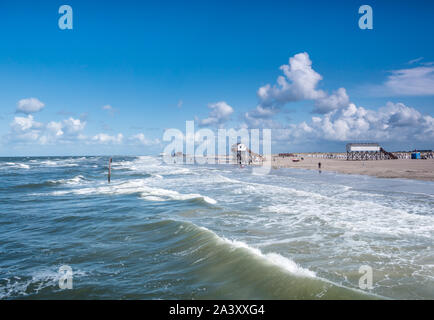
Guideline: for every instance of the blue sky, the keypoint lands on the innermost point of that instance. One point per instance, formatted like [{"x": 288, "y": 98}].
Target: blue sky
[{"x": 128, "y": 70}]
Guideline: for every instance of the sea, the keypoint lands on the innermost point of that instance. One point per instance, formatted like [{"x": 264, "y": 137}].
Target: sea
[{"x": 177, "y": 231}]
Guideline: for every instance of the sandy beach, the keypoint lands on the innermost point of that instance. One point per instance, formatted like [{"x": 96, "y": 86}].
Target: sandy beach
[{"x": 401, "y": 168}]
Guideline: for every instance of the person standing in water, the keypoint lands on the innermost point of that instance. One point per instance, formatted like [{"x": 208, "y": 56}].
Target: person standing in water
[{"x": 319, "y": 167}]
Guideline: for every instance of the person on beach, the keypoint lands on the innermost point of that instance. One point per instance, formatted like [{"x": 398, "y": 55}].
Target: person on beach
[{"x": 319, "y": 165}]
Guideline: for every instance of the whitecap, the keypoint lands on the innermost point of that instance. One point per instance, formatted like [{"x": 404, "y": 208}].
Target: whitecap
[{"x": 273, "y": 258}]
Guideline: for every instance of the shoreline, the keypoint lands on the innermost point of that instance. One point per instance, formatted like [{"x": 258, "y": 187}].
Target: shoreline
[{"x": 422, "y": 170}]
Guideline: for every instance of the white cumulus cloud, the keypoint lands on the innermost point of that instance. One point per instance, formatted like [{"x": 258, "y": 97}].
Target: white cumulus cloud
[
  {"x": 73, "y": 126},
  {"x": 143, "y": 140},
  {"x": 105, "y": 138},
  {"x": 55, "y": 128},
  {"x": 30, "y": 105},
  {"x": 298, "y": 83},
  {"x": 220, "y": 113},
  {"x": 338, "y": 99},
  {"x": 26, "y": 129}
]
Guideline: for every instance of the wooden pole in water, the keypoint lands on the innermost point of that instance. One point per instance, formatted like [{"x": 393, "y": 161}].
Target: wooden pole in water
[{"x": 109, "y": 170}]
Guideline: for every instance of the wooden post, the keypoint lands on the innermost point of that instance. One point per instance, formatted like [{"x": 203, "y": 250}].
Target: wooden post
[{"x": 109, "y": 170}]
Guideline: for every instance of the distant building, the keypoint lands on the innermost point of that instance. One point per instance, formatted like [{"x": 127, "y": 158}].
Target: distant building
[
  {"x": 363, "y": 147},
  {"x": 243, "y": 155},
  {"x": 367, "y": 151},
  {"x": 240, "y": 152}
]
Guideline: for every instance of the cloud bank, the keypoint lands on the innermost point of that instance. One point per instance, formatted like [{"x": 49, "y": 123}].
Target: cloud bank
[
  {"x": 338, "y": 118},
  {"x": 26, "y": 130}
]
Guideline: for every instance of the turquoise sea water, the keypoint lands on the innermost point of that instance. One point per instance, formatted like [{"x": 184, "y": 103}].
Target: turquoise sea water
[{"x": 209, "y": 232}]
